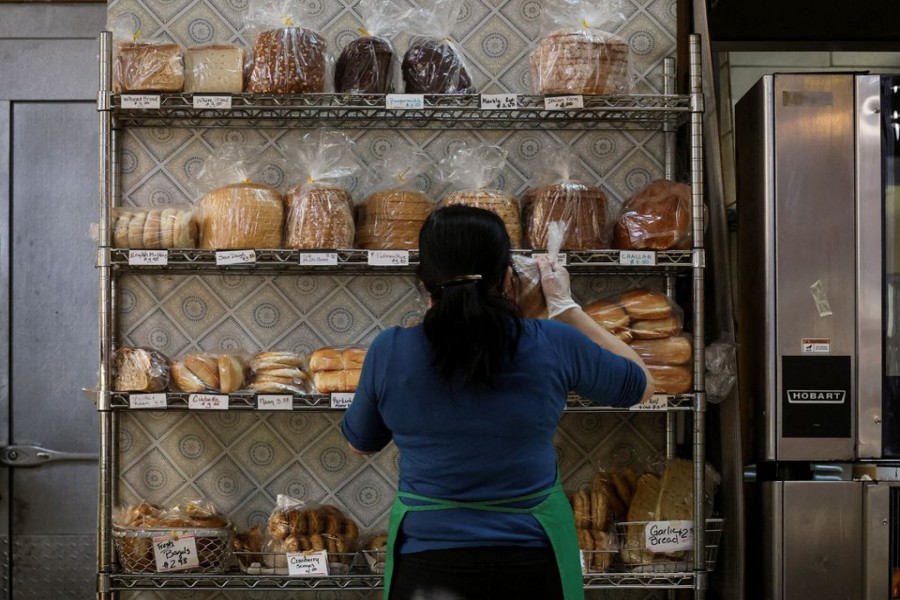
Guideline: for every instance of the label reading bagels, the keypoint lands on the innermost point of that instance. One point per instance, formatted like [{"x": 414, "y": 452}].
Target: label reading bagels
[
  {"x": 208, "y": 402},
  {"x": 175, "y": 552},
  {"x": 637, "y": 258}
]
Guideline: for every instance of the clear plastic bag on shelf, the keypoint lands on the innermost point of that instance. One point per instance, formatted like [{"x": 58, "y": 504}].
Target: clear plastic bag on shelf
[
  {"x": 671, "y": 379},
  {"x": 578, "y": 53},
  {"x": 194, "y": 373},
  {"x": 143, "y": 65},
  {"x": 140, "y": 370},
  {"x": 287, "y": 58},
  {"x": 154, "y": 228},
  {"x": 527, "y": 276},
  {"x": 374, "y": 552},
  {"x": 337, "y": 369},
  {"x": 674, "y": 350},
  {"x": 658, "y": 217},
  {"x": 721, "y": 370},
  {"x": 433, "y": 63},
  {"x": 214, "y": 68},
  {"x": 394, "y": 209},
  {"x": 276, "y": 372},
  {"x": 320, "y": 208},
  {"x": 369, "y": 64},
  {"x": 469, "y": 171},
  {"x": 640, "y": 314}
]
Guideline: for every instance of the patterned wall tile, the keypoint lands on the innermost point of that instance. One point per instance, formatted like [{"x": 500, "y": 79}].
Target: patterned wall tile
[
  {"x": 228, "y": 484},
  {"x": 331, "y": 459},
  {"x": 301, "y": 429},
  {"x": 370, "y": 494},
  {"x": 299, "y": 482},
  {"x": 154, "y": 476},
  {"x": 194, "y": 447},
  {"x": 262, "y": 453}
]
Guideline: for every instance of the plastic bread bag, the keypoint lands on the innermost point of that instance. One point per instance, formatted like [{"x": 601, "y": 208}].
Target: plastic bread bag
[
  {"x": 140, "y": 370},
  {"x": 470, "y": 170},
  {"x": 194, "y": 513},
  {"x": 154, "y": 228},
  {"x": 142, "y": 514},
  {"x": 141, "y": 65},
  {"x": 639, "y": 314},
  {"x": 433, "y": 63},
  {"x": 578, "y": 53},
  {"x": 527, "y": 276},
  {"x": 721, "y": 370},
  {"x": 337, "y": 369},
  {"x": 287, "y": 56},
  {"x": 369, "y": 64},
  {"x": 394, "y": 209},
  {"x": 320, "y": 208},
  {"x": 674, "y": 350},
  {"x": 275, "y": 372},
  {"x": 560, "y": 196},
  {"x": 658, "y": 217},
  {"x": 200, "y": 372},
  {"x": 214, "y": 68},
  {"x": 236, "y": 210},
  {"x": 299, "y": 526}
]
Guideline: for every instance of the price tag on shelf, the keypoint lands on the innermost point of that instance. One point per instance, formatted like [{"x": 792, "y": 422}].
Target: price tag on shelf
[
  {"x": 341, "y": 399},
  {"x": 669, "y": 536},
  {"x": 208, "y": 402},
  {"x": 499, "y": 101},
  {"x": 152, "y": 401},
  {"x": 318, "y": 259},
  {"x": 561, "y": 258},
  {"x": 235, "y": 257},
  {"x": 656, "y": 402},
  {"x": 274, "y": 402},
  {"x": 159, "y": 258},
  {"x": 141, "y": 101},
  {"x": 637, "y": 258},
  {"x": 405, "y": 101},
  {"x": 388, "y": 258},
  {"x": 216, "y": 102},
  {"x": 563, "y": 102},
  {"x": 308, "y": 564},
  {"x": 175, "y": 553}
]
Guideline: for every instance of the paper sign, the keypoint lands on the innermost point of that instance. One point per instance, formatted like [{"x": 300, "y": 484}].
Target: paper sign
[
  {"x": 308, "y": 564},
  {"x": 405, "y": 101},
  {"x": 669, "y": 536},
  {"x": 815, "y": 345},
  {"x": 561, "y": 259},
  {"x": 656, "y": 402},
  {"x": 208, "y": 402},
  {"x": 148, "y": 257},
  {"x": 175, "y": 553},
  {"x": 388, "y": 258},
  {"x": 212, "y": 102},
  {"x": 319, "y": 259},
  {"x": 140, "y": 101},
  {"x": 235, "y": 257},
  {"x": 563, "y": 102},
  {"x": 341, "y": 399},
  {"x": 499, "y": 101},
  {"x": 147, "y": 401},
  {"x": 274, "y": 402},
  {"x": 637, "y": 258}
]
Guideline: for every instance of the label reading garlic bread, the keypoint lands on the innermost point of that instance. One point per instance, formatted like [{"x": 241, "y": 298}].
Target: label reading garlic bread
[{"x": 669, "y": 536}]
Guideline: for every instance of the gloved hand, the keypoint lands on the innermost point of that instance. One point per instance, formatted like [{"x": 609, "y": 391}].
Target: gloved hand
[{"x": 556, "y": 288}]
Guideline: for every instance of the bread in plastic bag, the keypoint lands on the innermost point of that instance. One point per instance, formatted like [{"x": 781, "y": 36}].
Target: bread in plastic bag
[
  {"x": 143, "y": 65},
  {"x": 214, "y": 68},
  {"x": 225, "y": 373},
  {"x": 276, "y": 372},
  {"x": 154, "y": 228},
  {"x": 369, "y": 64},
  {"x": 337, "y": 369},
  {"x": 658, "y": 217},
  {"x": 578, "y": 53},
  {"x": 433, "y": 63},
  {"x": 527, "y": 276},
  {"x": 674, "y": 350},
  {"x": 637, "y": 315},
  {"x": 287, "y": 58},
  {"x": 140, "y": 370}
]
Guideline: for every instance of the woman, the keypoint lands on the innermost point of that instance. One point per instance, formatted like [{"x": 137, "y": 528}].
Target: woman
[{"x": 472, "y": 398}]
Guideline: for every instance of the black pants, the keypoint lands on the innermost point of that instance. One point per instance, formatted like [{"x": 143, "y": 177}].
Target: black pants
[{"x": 486, "y": 573}]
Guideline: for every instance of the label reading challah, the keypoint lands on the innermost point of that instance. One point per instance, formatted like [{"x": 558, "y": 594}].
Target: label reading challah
[
  {"x": 158, "y": 258},
  {"x": 499, "y": 101},
  {"x": 388, "y": 258},
  {"x": 318, "y": 259},
  {"x": 669, "y": 536},
  {"x": 154, "y": 401},
  {"x": 405, "y": 101},
  {"x": 563, "y": 102},
  {"x": 218, "y": 102},
  {"x": 274, "y": 402},
  {"x": 308, "y": 564},
  {"x": 656, "y": 402},
  {"x": 208, "y": 402},
  {"x": 341, "y": 399},
  {"x": 140, "y": 101},
  {"x": 637, "y": 258},
  {"x": 175, "y": 553},
  {"x": 235, "y": 257}
]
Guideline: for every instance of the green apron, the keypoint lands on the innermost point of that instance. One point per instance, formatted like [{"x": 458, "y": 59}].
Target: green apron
[{"x": 554, "y": 514}]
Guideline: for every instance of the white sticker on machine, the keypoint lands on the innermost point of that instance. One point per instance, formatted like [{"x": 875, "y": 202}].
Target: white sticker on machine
[{"x": 815, "y": 345}]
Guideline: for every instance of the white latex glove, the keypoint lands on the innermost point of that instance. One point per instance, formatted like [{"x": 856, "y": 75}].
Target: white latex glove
[{"x": 556, "y": 288}]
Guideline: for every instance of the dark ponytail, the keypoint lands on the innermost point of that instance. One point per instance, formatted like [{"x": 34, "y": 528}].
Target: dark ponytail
[{"x": 473, "y": 328}]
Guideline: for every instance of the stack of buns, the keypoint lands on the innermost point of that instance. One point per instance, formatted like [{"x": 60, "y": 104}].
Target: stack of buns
[
  {"x": 301, "y": 529},
  {"x": 154, "y": 228},
  {"x": 241, "y": 215},
  {"x": 656, "y": 218},
  {"x": 214, "y": 68},
  {"x": 147, "y": 67},
  {"x": 581, "y": 207},
  {"x": 391, "y": 220},
  {"x": 140, "y": 370},
  {"x": 319, "y": 216},
  {"x": 336, "y": 369},
  {"x": 278, "y": 372},
  {"x": 503, "y": 204},
  {"x": 288, "y": 60},
  {"x": 195, "y": 373},
  {"x": 596, "y": 509},
  {"x": 580, "y": 61}
]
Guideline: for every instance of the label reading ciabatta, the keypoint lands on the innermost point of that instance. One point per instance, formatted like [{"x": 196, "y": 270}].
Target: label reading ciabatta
[
  {"x": 208, "y": 402},
  {"x": 308, "y": 564},
  {"x": 217, "y": 102},
  {"x": 147, "y": 401},
  {"x": 669, "y": 536},
  {"x": 499, "y": 101},
  {"x": 563, "y": 102},
  {"x": 140, "y": 101},
  {"x": 405, "y": 101},
  {"x": 637, "y": 258},
  {"x": 175, "y": 553},
  {"x": 159, "y": 258},
  {"x": 388, "y": 258},
  {"x": 235, "y": 257},
  {"x": 318, "y": 259}
]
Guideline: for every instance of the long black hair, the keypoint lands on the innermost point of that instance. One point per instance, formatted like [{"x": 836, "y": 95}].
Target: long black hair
[{"x": 464, "y": 253}]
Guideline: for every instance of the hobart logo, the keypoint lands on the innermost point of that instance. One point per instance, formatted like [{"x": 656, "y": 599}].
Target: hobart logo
[{"x": 816, "y": 396}]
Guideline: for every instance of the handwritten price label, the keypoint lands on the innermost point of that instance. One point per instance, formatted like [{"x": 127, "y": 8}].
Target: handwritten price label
[
  {"x": 669, "y": 536},
  {"x": 153, "y": 401},
  {"x": 274, "y": 402},
  {"x": 563, "y": 102},
  {"x": 561, "y": 258},
  {"x": 235, "y": 257},
  {"x": 388, "y": 258},
  {"x": 208, "y": 402},
  {"x": 341, "y": 399},
  {"x": 212, "y": 102},
  {"x": 308, "y": 564},
  {"x": 499, "y": 101},
  {"x": 637, "y": 258},
  {"x": 140, "y": 101},
  {"x": 318, "y": 259},
  {"x": 656, "y": 402},
  {"x": 405, "y": 101},
  {"x": 158, "y": 258},
  {"x": 175, "y": 553}
]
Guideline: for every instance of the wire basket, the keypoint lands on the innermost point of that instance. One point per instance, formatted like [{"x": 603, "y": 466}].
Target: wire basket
[
  {"x": 134, "y": 546},
  {"x": 276, "y": 563},
  {"x": 599, "y": 561},
  {"x": 375, "y": 560},
  {"x": 635, "y": 557}
]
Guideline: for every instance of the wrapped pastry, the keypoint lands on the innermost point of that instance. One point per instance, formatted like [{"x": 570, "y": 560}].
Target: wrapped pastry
[
  {"x": 214, "y": 68},
  {"x": 434, "y": 64},
  {"x": 144, "y": 65},
  {"x": 658, "y": 217},
  {"x": 154, "y": 228},
  {"x": 369, "y": 65},
  {"x": 140, "y": 370}
]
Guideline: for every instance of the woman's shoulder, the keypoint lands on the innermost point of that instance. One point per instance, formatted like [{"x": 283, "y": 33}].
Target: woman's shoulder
[
  {"x": 547, "y": 328},
  {"x": 397, "y": 335}
]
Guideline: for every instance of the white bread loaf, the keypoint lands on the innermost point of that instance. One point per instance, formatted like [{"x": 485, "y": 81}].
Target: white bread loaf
[{"x": 214, "y": 68}]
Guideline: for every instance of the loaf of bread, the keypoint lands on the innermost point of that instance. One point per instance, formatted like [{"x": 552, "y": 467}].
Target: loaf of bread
[
  {"x": 241, "y": 215},
  {"x": 391, "y": 220},
  {"x": 608, "y": 313},
  {"x": 676, "y": 491},
  {"x": 646, "y": 304},
  {"x": 288, "y": 60},
  {"x": 656, "y": 218},
  {"x": 154, "y": 228},
  {"x": 584, "y": 61},
  {"x": 432, "y": 66},
  {"x": 279, "y": 372},
  {"x": 214, "y": 68},
  {"x": 337, "y": 359},
  {"x": 642, "y": 509},
  {"x": 318, "y": 216},
  {"x": 671, "y": 379},
  {"x": 581, "y": 207},
  {"x": 501, "y": 203},
  {"x": 209, "y": 372},
  {"x": 656, "y": 329},
  {"x": 336, "y": 381},
  {"x": 140, "y": 370},
  {"x": 146, "y": 67},
  {"x": 364, "y": 67},
  {"x": 675, "y": 350}
]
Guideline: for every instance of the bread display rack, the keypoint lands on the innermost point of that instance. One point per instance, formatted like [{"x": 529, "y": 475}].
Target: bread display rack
[{"x": 664, "y": 113}]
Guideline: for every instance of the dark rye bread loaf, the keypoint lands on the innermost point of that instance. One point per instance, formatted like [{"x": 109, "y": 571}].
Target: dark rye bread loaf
[
  {"x": 435, "y": 67},
  {"x": 364, "y": 67}
]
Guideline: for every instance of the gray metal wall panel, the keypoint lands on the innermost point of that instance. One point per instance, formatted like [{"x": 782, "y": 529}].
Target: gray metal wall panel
[
  {"x": 32, "y": 20},
  {"x": 70, "y": 576},
  {"x": 48, "y": 70}
]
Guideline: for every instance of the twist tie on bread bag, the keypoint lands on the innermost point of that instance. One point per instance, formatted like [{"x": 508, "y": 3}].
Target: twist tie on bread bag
[
  {"x": 370, "y": 64},
  {"x": 141, "y": 65},
  {"x": 434, "y": 64}
]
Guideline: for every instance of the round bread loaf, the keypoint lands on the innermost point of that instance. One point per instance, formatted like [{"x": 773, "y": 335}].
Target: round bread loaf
[
  {"x": 675, "y": 350},
  {"x": 581, "y": 61},
  {"x": 581, "y": 207},
  {"x": 609, "y": 314},
  {"x": 435, "y": 67},
  {"x": 318, "y": 216},
  {"x": 364, "y": 67},
  {"x": 241, "y": 215},
  {"x": 646, "y": 304},
  {"x": 656, "y": 218},
  {"x": 288, "y": 60},
  {"x": 671, "y": 379},
  {"x": 656, "y": 328},
  {"x": 391, "y": 220},
  {"x": 501, "y": 203}
]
